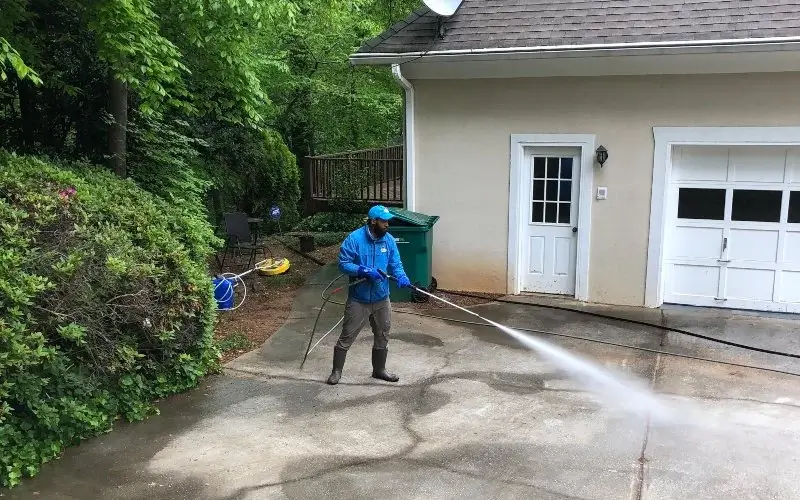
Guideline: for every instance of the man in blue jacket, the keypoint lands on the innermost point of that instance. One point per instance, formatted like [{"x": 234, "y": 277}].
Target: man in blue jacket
[{"x": 363, "y": 253}]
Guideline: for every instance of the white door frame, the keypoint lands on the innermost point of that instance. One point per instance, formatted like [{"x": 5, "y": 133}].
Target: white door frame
[
  {"x": 667, "y": 137},
  {"x": 519, "y": 143}
]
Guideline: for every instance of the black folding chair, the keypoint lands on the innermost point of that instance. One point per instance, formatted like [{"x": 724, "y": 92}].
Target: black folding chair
[{"x": 239, "y": 237}]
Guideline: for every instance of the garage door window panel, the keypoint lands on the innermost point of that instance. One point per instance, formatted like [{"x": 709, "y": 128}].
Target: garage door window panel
[
  {"x": 701, "y": 203},
  {"x": 756, "y": 205},
  {"x": 794, "y": 208}
]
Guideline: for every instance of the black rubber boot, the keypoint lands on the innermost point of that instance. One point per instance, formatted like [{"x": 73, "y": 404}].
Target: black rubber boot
[
  {"x": 379, "y": 366},
  {"x": 339, "y": 356}
]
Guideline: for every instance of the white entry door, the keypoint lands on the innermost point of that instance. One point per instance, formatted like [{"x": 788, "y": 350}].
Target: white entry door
[{"x": 549, "y": 239}]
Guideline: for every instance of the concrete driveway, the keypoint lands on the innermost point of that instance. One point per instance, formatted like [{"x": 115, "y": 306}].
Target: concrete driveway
[{"x": 474, "y": 415}]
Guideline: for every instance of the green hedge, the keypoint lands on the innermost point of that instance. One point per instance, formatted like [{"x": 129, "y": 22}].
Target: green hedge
[
  {"x": 330, "y": 222},
  {"x": 252, "y": 170},
  {"x": 105, "y": 306}
]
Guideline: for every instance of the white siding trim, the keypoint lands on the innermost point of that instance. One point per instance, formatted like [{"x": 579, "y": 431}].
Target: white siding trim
[
  {"x": 586, "y": 142},
  {"x": 667, "y": 137}
]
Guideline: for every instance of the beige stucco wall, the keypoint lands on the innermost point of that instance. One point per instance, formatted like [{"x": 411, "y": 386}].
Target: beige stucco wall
[{"x": 462, "y": 140}]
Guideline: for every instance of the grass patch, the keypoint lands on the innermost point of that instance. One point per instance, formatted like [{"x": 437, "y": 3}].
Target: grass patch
[{"x": 234, "y": 342}]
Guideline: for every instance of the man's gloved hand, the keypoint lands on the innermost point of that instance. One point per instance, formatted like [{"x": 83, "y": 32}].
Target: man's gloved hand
[
  {"x": 403, "y": 282},
  {"x": 365, "y": 272}
]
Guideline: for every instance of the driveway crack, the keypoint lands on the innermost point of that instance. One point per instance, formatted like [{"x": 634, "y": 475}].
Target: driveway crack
[{"x": 637, "y": 485}]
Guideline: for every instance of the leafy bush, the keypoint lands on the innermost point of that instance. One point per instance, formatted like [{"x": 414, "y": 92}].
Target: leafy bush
[
  {"x": 331, "y": 222},
  {"x": 164, "y": 159},
  {"x": 347, "y": 184},
  {"x": 253, "y": 170},
  {"x": 105, "y": 306}
]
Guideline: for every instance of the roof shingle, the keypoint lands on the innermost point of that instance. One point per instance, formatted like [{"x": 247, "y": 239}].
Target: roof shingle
[{"x": 498, "y": 24}]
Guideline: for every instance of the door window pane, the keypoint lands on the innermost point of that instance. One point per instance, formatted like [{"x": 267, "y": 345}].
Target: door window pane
[
  {"x": 566, "y": 168},
  {"x": 552, "y": 168},
  {"x": 538, "y": 190},
  {"x": 537, "y": 212},
  {"x": 699, "y": 203},
  {"x": 566, "y": 191},
  {"x": 551, "y": 193},
  {"x": 753, "y": 205},
  {"x": 550, "y": 212},
  {"x": 538, "y": 168},
  {"x": 794, "y": 207},
  {"x": 563, "y": 213}
]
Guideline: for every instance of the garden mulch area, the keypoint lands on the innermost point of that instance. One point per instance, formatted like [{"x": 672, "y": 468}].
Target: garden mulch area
[{"x": 266, "y": 308}]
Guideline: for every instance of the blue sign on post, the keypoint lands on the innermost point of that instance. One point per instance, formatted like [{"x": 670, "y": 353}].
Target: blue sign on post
[{"x": 275, "y": 212}]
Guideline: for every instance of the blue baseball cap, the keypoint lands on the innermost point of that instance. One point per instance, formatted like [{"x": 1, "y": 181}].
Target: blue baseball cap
[{"x": 379, "y": 212}]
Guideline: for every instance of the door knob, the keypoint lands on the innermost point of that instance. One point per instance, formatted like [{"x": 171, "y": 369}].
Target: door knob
[{"x": 574, "y": 229}]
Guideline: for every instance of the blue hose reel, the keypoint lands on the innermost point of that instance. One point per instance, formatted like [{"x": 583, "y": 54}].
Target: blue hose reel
[{"x": 223, "y": 293}]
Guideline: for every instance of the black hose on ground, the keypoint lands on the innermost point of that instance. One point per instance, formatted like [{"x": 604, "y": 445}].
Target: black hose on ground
[{"x": 633, "y": 321}]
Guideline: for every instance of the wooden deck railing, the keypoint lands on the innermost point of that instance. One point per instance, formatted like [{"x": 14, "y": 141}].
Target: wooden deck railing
[{"x": 370, "y": 176}]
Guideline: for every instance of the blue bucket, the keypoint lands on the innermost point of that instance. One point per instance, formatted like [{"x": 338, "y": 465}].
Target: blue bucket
[{"x": 223, "y": 293}]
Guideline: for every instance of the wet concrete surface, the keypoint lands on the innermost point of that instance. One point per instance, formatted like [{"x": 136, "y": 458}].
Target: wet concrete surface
[{"x": 474, "y": 415}]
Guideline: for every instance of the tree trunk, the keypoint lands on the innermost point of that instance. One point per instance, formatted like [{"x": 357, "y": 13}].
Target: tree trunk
[
  {"x": 28, "y": 115},
  {"x": 117, "y": 133}
]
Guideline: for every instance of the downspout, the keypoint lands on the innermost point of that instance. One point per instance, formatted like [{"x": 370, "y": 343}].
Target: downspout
[{"x": 408, "y": 132}]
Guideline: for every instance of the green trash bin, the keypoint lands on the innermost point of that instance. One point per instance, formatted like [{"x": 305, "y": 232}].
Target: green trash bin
[{"x": 413, "y": 232}]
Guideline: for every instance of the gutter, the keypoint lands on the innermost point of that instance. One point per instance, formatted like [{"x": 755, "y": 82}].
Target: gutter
[
  {"x": 362, "y": 57},
  {"x": 410, "y": 156}
]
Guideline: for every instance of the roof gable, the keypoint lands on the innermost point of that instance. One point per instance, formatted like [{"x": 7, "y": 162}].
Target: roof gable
[{"x": 506, "y": 24}]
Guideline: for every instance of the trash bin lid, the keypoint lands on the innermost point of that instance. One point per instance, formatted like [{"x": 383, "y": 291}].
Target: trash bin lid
[{"x": 409, "y": 218}]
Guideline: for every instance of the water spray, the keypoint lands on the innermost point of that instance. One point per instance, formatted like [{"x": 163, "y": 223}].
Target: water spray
[{"x": 641, "y": 399}]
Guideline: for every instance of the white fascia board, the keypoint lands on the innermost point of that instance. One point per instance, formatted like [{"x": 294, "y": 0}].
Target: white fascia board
[{"x": 594, "y": 50}]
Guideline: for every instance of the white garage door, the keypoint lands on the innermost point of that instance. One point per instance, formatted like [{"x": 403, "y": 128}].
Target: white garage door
[{"x": 734, "y": 235}]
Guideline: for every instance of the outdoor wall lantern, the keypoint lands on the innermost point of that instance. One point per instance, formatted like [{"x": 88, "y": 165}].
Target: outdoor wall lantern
[{"x": 601, "y": 155}]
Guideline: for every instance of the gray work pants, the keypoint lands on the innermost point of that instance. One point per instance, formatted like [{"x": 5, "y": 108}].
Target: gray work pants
[{"x": 356, "y": 315}]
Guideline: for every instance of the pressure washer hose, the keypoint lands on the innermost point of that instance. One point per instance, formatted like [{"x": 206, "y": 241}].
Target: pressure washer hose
[
  {"x": 322, "y": 307},
  {"x": 329, "y": 300}
]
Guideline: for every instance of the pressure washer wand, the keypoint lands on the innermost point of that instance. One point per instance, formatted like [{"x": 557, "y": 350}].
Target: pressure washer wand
[{"x": 418, "y": 289}]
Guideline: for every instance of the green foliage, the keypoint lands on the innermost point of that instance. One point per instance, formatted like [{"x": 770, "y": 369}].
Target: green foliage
[
  {"x": 223, "y": 45},
  {"x": 9, "y": 56},
  {"x": 165, "y": 159},
  {"x": 327, "y": 105},
  {"x": 128, "y": 39},
  {"x": 331, "y": 222},
  {"x": 196, "y": 55},
  {"x": 347, "y": 184},
  {"x": 235, "y": 342},
  {"x": 105, "y": 306},
  {"x": 254, "y": 170},
  {"x": 104, "y": 299}
]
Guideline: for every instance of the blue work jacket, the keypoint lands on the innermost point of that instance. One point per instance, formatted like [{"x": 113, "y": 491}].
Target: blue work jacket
[{"x": 361, "y": 248}]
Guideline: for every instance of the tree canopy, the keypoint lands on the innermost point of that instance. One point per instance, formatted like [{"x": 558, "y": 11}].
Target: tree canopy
[{"x": 174, "y": 94}]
